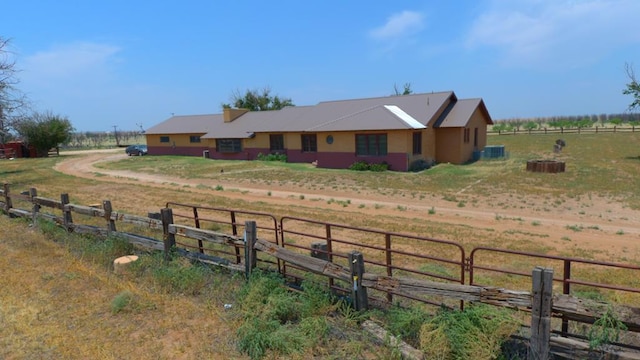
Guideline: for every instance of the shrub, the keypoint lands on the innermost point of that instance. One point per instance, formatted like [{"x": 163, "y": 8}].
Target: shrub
[
  {"x": 278, "y": 322},
  {"x": 406, "y": 322},
  {"x": 359, "y": 166},
  {"x": 605, "y": 330},
  {"x": 419, "y": 165},
  {"x": 364, "y": 166},
  {"x": 272, "y": 157},
  {"x": 121, "y": 301},
  {"x": 379, "y": 167},
  {"x": 177, "y": 276},
  {"x": 475, "y": 333}
]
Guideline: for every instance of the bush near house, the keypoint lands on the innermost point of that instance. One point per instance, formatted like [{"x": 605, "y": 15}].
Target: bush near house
[
  {"x": 272, "y": 157},
  {"x": 364, "y": 166}
]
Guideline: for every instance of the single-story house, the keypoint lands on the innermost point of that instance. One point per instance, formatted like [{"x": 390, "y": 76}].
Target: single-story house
[{"x": 399, "y": 130}]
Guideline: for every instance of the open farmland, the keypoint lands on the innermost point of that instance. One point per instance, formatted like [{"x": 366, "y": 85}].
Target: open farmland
[
  {"x": 591, "y": 211},
  {"x": 592, "y": 208}
]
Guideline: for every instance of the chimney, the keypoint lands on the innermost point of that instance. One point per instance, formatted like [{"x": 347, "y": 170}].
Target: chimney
[{"x": 230, "y": 114}]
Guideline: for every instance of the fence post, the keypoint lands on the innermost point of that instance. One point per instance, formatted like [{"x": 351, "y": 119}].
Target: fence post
[
  {"x": 66, "y": 213},
  {"x": 33, "y": 193},
  {"x": 108, "y": 210},
  {"x": 358, "y": 292},
  {"x": 566, "y": 289},
  {"x": 387, "y": 250},
  {"x": 234, "y": 229},
  {"x": 319, "y": 251},
  {"x": 168, "y": 238},
  {"x": 250, "y": 237},
  {"x": 7, "y": 198},
  {"x": 541, "y": 313}
]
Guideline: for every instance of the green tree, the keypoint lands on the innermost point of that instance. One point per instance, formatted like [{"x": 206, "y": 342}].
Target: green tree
[
  {"x": 258, "y": 100},
  {"x": 44, "y": 131},
  {"x": 406, "y": 90},
  {"x": 633, "y": 88},
  {"x": 616, "y": 121}
]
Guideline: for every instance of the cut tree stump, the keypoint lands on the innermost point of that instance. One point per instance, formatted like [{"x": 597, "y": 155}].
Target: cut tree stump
[
  {"x": 121, "y": 264},
  {"x": 545, "y": 166}
]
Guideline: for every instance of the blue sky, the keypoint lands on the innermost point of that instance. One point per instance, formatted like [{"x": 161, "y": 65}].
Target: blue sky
[{"x": 134, "y": 63}]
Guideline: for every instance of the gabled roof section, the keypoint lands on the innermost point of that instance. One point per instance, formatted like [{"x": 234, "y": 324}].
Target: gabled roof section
[
  {"x": 189, "y": 124},
  {"x": 287, "y": 119},
  {"x": 461, "y": 113},
  {"x": 421, "y": 107},
  {"x": 380, "y": 117},
  {"x": 415, "y": 111}
]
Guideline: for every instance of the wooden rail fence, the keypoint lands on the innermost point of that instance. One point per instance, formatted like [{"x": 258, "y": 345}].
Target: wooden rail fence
[
  {"x": 540, "y": 302},
  {"x": 563, "y": 130}
]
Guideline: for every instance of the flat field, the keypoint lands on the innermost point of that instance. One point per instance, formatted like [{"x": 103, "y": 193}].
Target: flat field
[{"x": 592, "y": 210}]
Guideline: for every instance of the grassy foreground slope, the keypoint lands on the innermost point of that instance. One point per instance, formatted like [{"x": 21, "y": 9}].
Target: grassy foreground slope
[{"x": 54, "y": 305}]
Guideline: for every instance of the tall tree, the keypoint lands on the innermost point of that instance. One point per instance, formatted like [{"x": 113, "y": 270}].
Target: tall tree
[
  {"x": 258, "y": 100},
  {"x": 406, "y": 90},
  {"x": 44, "y": 131},
  {"x": 11, "y": 99},
  {"x": 633, "y": 88}
]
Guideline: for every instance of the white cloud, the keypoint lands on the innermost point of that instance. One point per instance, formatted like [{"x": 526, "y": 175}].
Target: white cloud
[
  {"x": 399, "y": 25},
  {"x": 70, "y": 62},
  {"x": 561, "y": 32}
]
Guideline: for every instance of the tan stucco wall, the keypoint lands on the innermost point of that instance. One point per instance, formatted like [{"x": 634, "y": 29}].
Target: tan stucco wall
[
  {"x": 260, "y": 141},
  {"x": 478, "y": 120},
  {"x": 448, "y": 147},
  {"x": 398, "y": 141},
  {"x": 429, "y": 144},
  {"x": 178, "y": 140}
]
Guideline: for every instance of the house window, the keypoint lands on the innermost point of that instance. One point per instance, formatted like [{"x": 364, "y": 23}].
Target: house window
[
  {"x": 475, "y": 137},
  {"x": 194, "y": 139},
  {"x": 417, "y": 143},
  {"x": 164, "y": 139},
  {"x": 228, "y": 145},
  {"x": 467, "y": 132},
  {"x": 371, "y": 144},
  {"x": 309, "y": 143},
  {"x": 276, "y": 142}
]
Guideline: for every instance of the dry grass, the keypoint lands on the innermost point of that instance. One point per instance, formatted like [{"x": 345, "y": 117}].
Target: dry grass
[
  {"x": 56, "y": 306},
  {"x": 503, "y": 186},
  {"x": 599, "y": 168}
]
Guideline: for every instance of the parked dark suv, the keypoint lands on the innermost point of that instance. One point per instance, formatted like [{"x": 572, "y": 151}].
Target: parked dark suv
[{"x": 138, "y": 150}]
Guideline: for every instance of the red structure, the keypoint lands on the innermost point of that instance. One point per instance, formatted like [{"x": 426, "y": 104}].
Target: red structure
[{"x": 17, "y": 149}]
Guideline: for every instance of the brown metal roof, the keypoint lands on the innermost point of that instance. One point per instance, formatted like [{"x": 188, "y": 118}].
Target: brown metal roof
[
  {"x": 187, "y": 124},
  {"x": 381, "y": 113},
  {"x": 461, "y": 113},
  {"x": 380, "y": 117}
]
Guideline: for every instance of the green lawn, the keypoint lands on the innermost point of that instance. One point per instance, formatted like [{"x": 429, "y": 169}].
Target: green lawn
[{"x": 596, "y": 164}]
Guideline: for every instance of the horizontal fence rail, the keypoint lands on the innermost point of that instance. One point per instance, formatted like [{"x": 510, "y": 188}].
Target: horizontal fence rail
[
  {"x": 385, "y": 252},
  {"x": 223, "y": 220},
  {"x": 563, "y": 130},
  {"x": 393, "y": 265}
]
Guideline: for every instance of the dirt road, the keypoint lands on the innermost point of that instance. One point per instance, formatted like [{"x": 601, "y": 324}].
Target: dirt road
[{"x": 601, "y": 225}]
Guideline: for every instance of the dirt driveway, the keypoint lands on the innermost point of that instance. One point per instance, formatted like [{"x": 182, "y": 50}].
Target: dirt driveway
[{"x": 606, "y": 227}]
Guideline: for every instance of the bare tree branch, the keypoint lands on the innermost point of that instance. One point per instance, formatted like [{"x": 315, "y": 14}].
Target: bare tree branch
[
  {"x": 12, "y": 100},
  {"x": 633, "y": 88}
]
